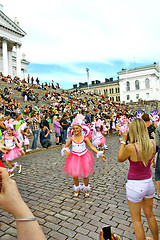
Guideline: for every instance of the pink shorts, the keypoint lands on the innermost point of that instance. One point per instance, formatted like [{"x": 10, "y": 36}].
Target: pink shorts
[{"x": 136, "y": 190}]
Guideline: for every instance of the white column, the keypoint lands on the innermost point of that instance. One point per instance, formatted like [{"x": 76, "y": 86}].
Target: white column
[
  {"x": 18, "y": 60},
  {"x": 10, "y": 70},
  {"x": 25, "y": 74},
  {"x": 5, "y": 58}
]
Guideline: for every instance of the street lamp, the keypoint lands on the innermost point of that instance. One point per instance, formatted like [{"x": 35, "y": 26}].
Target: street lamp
[{"x": 87, "y": 70}]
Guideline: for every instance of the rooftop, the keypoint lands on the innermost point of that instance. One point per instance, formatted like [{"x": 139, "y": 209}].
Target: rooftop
[{"x": 154, "y": 65}]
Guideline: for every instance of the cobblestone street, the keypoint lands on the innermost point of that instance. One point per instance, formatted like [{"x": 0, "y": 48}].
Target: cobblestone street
[{"x": 49, "y": 194}]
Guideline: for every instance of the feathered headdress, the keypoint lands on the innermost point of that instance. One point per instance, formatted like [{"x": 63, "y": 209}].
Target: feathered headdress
[{"x": 78, "y": 120}]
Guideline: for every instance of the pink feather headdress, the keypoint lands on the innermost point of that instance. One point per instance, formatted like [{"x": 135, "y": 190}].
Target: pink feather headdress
[{"x": 78, "y": 120}]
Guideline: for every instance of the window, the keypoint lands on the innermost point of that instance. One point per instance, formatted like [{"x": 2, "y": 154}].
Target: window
[
  {"x": 99, "y": 92},
  {"x": 147, "y": 83},
  {"x": 118, "y": 90},
  {"x": 128, "y": 97},
  {"x": 147, "y": 95},
  {"x": 137, "y": 85},
  {"x": 112, "y": 90},
  {"x": 119, "y": 98},
  {"x": 137, "y": 96},
  {"x": 127, "y": 86},
  {"x": 113, "y": 99}
]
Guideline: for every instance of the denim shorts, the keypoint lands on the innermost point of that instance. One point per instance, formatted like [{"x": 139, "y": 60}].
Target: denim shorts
[
  {"x": 136, "y": 190},
  {"x": 58, "y": 134}
]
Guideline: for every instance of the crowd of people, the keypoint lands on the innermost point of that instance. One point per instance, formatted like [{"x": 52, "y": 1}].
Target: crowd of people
[{"x": 79, "y": 119}]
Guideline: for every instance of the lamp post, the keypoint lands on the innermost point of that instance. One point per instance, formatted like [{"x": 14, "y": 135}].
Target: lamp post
[{"x": 87, "y": 70}]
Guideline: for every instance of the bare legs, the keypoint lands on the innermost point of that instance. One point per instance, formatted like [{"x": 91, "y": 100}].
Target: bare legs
[
  {"x": 135, "y": 211},
  {"x": 158, "y": 187},
  {"x": 57, "y": 140},
  {"x": 147, "y": 205}
]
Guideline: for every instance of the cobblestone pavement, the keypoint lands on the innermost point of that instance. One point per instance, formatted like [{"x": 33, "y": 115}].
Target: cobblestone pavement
[{"x": 49, "y": 194}]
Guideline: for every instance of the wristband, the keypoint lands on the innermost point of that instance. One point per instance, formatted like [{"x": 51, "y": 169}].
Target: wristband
[
  {"x": 99, "y": 153},
  {"x": 26, "y": 219},
  {"x": 123, "y": 142},
  {"x": 65, "y": 149}
]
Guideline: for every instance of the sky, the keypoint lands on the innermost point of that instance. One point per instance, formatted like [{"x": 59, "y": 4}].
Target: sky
[{"x": 64, "y": 37}]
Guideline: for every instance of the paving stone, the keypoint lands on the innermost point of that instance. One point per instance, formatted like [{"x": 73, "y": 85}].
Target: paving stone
[
  {"x": 8, "y": 237},
  {"x": 53, "y": 235},
  {"x": 82, "y": 237},
  {"x": 67, "y": 232}
]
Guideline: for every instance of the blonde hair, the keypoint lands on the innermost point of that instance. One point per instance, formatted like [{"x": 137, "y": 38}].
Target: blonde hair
[{"x": 138, "y": 132}]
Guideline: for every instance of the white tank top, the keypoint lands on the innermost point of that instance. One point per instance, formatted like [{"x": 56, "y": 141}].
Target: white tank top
[
  {"x": 9, "y": 142},
  {"x": 79, "y": 148}
]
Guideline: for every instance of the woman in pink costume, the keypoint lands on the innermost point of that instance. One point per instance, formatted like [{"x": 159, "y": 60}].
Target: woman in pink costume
[
  {"x": 140, "y": 188},
  {"x": 12, "y": 150},
  {"x": 80, "y": 161}
]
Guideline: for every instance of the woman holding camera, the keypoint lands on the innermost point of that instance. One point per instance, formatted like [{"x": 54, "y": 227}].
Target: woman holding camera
[{"x": 140, "y": 187}]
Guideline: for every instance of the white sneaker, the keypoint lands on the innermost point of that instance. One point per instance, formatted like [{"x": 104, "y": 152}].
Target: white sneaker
[
  {"x": 11, "y": 175},
  {"x": 37, "y": 148},
  {"x": 28, "y": 150}
]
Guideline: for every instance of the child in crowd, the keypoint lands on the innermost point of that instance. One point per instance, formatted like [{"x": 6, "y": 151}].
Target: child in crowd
[
  {"x": 12, "y": 149},
  {"x": 26, "y": 139},
  {"x": 80, "y": 161},
  {"x": 99, "y": 139}
]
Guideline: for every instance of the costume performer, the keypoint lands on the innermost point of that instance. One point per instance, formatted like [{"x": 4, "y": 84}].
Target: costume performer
[
  {"x": 80, "y": 161},
  {"x": 11, "y": 150},
  {"x": 99, "y": 139}
]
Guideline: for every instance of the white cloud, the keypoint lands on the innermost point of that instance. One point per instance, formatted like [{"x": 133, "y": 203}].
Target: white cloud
[{"x": 72, "y": 30}]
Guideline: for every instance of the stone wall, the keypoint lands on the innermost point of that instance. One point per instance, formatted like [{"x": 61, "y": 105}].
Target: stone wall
[{"x": 147, "y": 106}]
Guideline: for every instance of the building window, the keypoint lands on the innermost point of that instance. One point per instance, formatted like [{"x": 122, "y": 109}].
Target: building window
[
  {"x": 147, "y": 95},
  {"x": 110, "y": 91},
  {"x": 118, "y": 98},
  {"x": 128, "y": 97},
  {"x": 113, "y": 99},
  {"x": 137, "y": 85},
  {"x": 147, "y": 83},
  {"x": 118, "y": 90},
  {"x": 137, "y": 96},
  {"x": 127, "y": 86},
  {"x": 110, "y": 98},
  {"x": 99, "y": 92}
]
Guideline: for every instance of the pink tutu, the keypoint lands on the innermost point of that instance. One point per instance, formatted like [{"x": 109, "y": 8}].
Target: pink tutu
[
  {"x": 99, "y": 141},
  {"x": 12, "y": 154},
  {"x": 79, "y": 166}
]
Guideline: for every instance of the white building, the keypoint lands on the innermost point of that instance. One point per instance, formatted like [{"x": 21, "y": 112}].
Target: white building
[
  {"x": 11, "y": 62},
  {"x": 140, "y": 82}
]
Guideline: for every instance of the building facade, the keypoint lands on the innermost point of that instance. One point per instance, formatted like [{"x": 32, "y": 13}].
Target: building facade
[
  {"x": 110, "y": 88},
  {"x": 11, "y": 62},
  {"x": 139, "y": 83}
]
